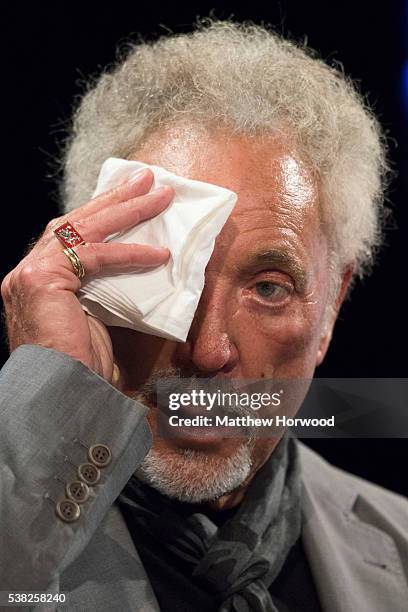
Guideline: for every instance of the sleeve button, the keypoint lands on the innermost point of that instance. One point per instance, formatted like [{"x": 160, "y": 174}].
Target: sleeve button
[
  {"x": 68, "y": 510},
  {"x": 100, "y": 455},
  {"x": 89, "y": 473},
  {"x": 77, "y": 491}
]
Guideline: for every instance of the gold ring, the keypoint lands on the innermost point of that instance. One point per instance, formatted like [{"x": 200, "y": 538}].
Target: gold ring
[{"x": 75, "y": 262}]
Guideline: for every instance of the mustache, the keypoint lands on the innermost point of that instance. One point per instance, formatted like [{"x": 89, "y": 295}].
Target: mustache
[
  {"x": 181, "y": 381},
  {"x": 148, "y": 389}
]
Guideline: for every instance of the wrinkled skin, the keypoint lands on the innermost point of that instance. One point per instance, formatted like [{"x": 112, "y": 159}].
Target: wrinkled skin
[
  {"x": 236, "y": 332},
  {"x": 252, "y": 321}
]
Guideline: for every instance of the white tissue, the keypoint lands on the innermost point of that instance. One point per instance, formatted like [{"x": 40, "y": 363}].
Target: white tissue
[{"x": 161, "y": 301}]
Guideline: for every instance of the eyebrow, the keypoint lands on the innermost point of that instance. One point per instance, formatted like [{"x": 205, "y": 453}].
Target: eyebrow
[{"x": 276, "y": 258}]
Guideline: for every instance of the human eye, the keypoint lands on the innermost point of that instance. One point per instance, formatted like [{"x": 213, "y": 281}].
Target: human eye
[{"x": 271, "y": 291}]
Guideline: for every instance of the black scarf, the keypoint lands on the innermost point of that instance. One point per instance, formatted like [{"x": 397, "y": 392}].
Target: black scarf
[{"x": 238, "y": 561}]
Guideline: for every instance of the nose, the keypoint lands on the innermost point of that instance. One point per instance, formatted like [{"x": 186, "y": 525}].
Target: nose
[{"x": 209, "y": 346}]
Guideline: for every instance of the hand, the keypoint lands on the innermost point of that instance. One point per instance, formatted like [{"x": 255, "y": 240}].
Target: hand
[{"x": 40, "y": 293}]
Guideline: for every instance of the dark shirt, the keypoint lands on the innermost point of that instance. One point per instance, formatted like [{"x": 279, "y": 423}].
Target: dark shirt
[{"x": 170, "y": 576}]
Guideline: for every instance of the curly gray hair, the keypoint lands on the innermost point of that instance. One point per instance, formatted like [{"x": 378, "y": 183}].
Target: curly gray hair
[{"x": 253, "y": 80}]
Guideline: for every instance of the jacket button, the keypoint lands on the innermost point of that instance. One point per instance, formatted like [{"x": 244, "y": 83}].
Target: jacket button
[
  {"x": 100, "y": 455},
  {"x": 89, "y": 474},
  {"x": 78, "y": 491},
  {"x": 68, "y": 510}
]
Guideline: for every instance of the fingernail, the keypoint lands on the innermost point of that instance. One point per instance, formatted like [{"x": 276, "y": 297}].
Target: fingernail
[
  {"x": 158, "y": 190},
  {"x": 136, "y": 175},
  {"x": 160, "y": 249},
  {"x": 115, "y": 374}
]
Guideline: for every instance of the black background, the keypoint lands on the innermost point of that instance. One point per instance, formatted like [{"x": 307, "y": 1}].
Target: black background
[{"x": 49, "y": 49}]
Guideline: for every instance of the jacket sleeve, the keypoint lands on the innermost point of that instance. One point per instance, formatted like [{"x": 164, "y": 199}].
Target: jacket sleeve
[{"x": 53, "y": 410}]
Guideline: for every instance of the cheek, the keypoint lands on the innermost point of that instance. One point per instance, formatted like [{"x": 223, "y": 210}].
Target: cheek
[{"x": 279, "y": 344}]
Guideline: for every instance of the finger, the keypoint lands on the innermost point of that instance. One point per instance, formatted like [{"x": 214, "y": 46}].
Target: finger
[
  {"x": 125, "y": 215},
  {"x": 104, "y": 257},
  {"x": 119, "y": 217},
  {"x": 55, "y": 273},
  {"x": 139, "y": 183}
]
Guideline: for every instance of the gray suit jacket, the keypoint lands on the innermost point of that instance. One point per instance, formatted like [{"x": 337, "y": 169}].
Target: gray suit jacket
[{"x": 52, "y": 409}]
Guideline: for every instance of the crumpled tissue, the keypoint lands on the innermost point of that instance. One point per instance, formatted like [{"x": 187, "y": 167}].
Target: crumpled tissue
[{"x": 162, "y": 300}]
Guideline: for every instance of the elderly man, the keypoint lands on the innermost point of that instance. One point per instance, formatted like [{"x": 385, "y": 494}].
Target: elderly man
[{"x": 95, "y": 504}]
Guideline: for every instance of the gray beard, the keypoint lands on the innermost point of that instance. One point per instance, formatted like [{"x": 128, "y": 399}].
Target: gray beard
[
  {"x": 193, "y": 476},
  {"x": 190, "y": 475}
]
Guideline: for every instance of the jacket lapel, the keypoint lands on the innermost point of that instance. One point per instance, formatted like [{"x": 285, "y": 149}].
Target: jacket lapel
[{"x": 356, "y": 565}]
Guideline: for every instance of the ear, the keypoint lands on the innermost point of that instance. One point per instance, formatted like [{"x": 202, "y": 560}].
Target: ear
[{"x": 326, "y": 338}]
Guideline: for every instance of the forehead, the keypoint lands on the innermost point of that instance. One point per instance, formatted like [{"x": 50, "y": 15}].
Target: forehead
[
  {"x": 257, "y": 165},
  {"x": 278, "y": 196}
]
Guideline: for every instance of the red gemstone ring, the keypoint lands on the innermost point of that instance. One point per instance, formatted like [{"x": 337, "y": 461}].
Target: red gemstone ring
[{"x": 68, "y": 235}]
